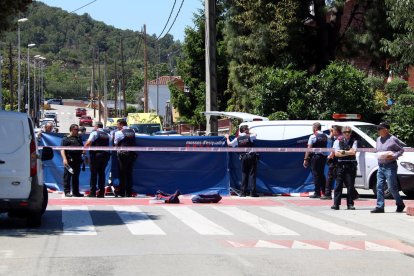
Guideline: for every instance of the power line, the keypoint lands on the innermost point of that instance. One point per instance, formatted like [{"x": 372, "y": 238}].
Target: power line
[
  {"x": 168, "y": 20},
  {"x": 83, "y": 6},
  {"x": 182, "y": 2}
]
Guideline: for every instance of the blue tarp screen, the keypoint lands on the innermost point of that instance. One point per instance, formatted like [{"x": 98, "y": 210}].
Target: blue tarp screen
[{"x": 195, "y": 172}]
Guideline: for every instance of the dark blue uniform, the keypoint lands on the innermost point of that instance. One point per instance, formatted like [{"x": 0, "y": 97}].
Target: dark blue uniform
[
  {"x": 126, "y": 161},
  {"x": 249, "y": 166},
  {"x": 99, "y": 161},
  {"x": 318, "y": 162},
  {"x": 74, "y": 158}
]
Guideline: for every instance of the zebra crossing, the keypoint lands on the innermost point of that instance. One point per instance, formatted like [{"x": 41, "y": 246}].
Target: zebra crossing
[{"x": 210, "y": 221}]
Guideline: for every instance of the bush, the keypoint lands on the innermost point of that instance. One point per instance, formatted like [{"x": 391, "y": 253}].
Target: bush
[
  {"x": 279, "y": 115},
  {"x": 340, "y": 88},
  {"x": 396, "y": 88}
]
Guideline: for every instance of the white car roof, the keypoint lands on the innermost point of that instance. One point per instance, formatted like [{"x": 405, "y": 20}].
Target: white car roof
[{"x": 245, "y": 117}]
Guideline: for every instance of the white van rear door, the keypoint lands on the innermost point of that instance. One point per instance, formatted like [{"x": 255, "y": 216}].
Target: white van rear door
[{"x": 14, "y": 158}]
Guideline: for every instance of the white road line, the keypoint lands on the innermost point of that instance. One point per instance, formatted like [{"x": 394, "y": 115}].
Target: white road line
[
  {"x": 6, "y": 254},
  {"x": 137, "y": 221},
  {"x": 77, "y": 221},
  {"x": 197, "y": 222},
  {"x": 314, "y": 222},
  {"x": 255, "y": 221}
]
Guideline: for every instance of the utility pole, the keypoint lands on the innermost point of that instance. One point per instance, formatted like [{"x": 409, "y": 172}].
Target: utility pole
[
  {"x": 123, "y": 77},
  {"x": 93, "y": 83},
  {"x": 99, "y": 84},
  {"x": 105, "y": 95},
  {"x": 211, "y": 75},
  {"x": 116, "y": 90},
  {"x": 11, "y": 77},
  {"x": 145, "y": 71}
]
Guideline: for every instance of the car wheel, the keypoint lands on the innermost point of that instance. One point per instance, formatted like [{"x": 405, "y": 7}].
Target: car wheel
[{"x": 45, "y": 199}]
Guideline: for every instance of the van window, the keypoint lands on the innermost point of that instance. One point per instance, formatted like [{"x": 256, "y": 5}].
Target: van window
[
  {"x": 362, "y": 143},
  {"x": 11, "y": 135},
  {"x": 268, "y": 132},
  {"x": 295, "y": 131},
  {"x": 369, "y": 130}
]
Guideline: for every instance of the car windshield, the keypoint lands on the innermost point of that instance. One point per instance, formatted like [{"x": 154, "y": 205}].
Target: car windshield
[
  {"x": 146, "y": 128},
  {"x": 370, "y": 130}
]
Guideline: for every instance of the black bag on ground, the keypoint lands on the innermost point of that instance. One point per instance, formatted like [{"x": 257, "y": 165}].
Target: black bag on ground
[
  {"x": 206, "y": 198},
  {"x": 168, "y": 198}
]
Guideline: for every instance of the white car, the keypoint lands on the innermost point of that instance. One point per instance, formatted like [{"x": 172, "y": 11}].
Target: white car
[
  {"x": 22, "y": 192},
  {"x": 366, "y": 135}
]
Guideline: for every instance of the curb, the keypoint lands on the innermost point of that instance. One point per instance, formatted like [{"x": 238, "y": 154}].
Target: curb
[{"x": 410, "y": 211}]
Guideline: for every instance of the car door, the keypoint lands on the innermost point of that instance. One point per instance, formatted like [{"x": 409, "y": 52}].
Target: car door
[{"x": 14, "y": 157}]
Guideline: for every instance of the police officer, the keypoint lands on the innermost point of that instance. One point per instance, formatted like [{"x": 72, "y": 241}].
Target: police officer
[
  {"x": 249, "y": 160},
  {"x": 72, "y": 160},
  {"x": 125, "y": 137},
  {"x": 317, "y": 160},
  {"x": 335, "y": 133},
  {"x": 345, "y": 150},
  {"x": 98, "y": 159}
]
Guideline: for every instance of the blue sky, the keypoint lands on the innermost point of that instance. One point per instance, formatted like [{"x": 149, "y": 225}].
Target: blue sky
[{"x": 133, "y": 14}]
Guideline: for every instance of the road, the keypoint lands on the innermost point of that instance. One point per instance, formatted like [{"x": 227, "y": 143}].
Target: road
[
  {"x": 238, "y": 236},
  {"x": 67, "y": 116}
]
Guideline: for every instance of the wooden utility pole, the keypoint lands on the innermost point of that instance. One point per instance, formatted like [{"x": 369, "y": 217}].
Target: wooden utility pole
[
  {"x": 99, "y": 85},
  {"x": 11, "y": 77},
  {"x": 116, "y": 90},
  {"x": 93, "y": 83},
  {"x": 123, "y": 78},
  {"x": 145, "y": 71},
  {"x": 211, "y": 75},
  {"x": 105, "y": 116}
]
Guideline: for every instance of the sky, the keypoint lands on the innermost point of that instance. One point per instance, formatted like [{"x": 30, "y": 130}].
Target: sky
[{"x": 133, "y": 14}]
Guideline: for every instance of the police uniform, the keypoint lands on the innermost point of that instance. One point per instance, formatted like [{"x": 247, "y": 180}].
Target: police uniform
[
  {"x": 248, "y": 163},
  {"x": 346, "y": 172},
  {"x": 125, "y": 138},
  {"x": 98, "y": 161},
  {"x": 74, "y": 158},
  {"x": 318, "y": 161}
]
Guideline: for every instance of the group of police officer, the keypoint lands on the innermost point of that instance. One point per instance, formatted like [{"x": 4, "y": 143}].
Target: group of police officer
[
  {"x": 342, "y": 164},
  {"x": 98, "y": 159}
]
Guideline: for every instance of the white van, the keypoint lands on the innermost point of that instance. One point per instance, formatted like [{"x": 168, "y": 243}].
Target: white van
[
  {"x": 366, "y": 134},
  {"x": 22, "y": 191}
]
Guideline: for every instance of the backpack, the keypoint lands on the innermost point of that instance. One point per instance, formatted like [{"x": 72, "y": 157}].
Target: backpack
[
  {"x": 213, "y": 197},
  {"x": 168, "y": 198}
]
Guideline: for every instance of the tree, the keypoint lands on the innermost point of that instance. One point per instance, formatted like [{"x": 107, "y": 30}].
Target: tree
[
  {"x": 400, "y": 46},
  {"x": 9, "y": 9},
  {"x": 340, "y": 88},
  {"x": 191, "y": 67}
]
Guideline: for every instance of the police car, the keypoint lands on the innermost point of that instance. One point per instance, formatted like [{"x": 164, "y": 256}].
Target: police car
[{"x": 365, "y": 133}]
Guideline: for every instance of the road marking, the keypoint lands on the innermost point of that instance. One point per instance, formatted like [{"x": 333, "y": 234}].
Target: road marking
[
  {"x": 370, "y": 246},
  {"x": 197, "y": 222},
  {"x": 303, "y": 245},
  {"x": 255, "y": 221},
  {"x": 314, "y": 222},
  {"x": 77, "y": 221},
  {"x": 268, "y": 244},
  {"x": 340, "y": 246},
  {"x": 137, "y": 221},
  {"x": 6, "y": 254}
]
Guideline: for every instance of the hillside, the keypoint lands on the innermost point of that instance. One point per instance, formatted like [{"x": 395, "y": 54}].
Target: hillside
[{"x": 69, "y": 42}]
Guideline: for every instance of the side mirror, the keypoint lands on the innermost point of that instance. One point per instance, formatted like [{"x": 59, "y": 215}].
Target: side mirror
[{"x": 47, "y": 153}]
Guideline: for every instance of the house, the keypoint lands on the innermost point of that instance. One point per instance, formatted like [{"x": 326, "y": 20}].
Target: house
[{"x": 159, "y": 94}]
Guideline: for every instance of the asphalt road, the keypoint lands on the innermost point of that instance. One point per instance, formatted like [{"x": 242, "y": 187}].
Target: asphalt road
[{"x": 239, "y": 236}]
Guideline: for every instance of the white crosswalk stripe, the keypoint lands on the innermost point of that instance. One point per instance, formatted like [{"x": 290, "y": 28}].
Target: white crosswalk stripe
[
  {"x": 137, "y": 221},
  {"x": 197, "y": 222},
  {"x": 314, "y": 222},
  {"x": 77, "y": 221},
  {"x": 256, "y": 222}
]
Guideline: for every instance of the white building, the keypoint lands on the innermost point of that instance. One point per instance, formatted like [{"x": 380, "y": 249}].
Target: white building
[{"x": 159, "y": 93}]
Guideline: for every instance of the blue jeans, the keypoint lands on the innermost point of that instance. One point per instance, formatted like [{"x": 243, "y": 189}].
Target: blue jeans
[{"x": 387, "y": 174}]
